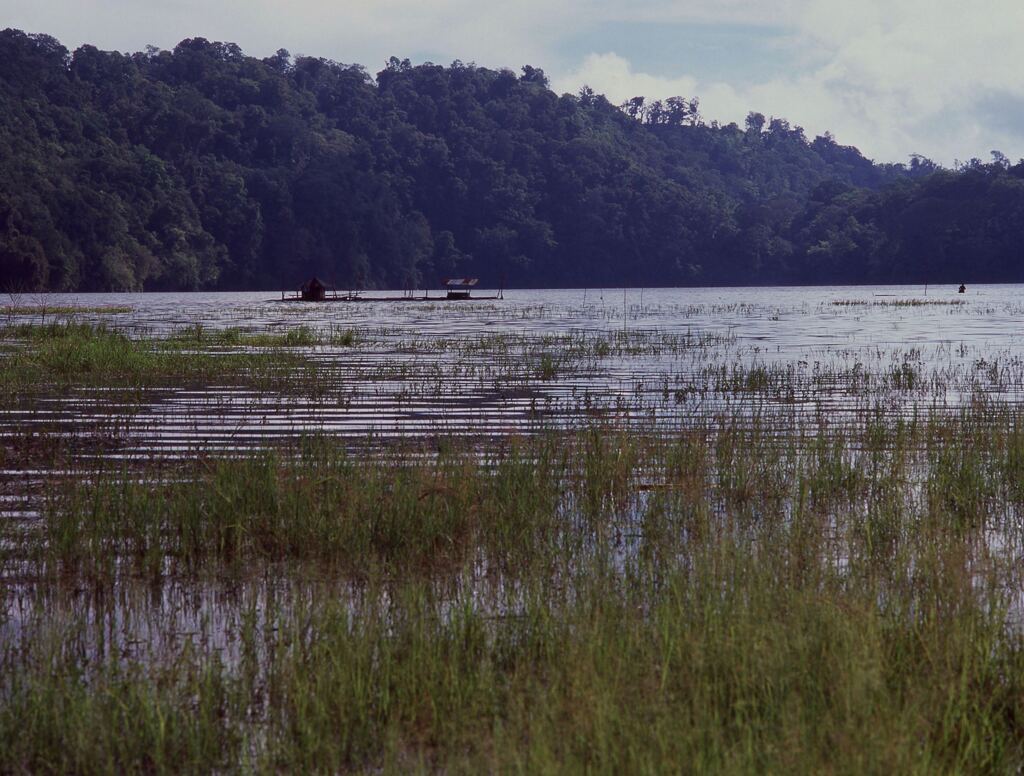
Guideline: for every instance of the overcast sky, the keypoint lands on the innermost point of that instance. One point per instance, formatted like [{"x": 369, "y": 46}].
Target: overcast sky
[{"x": 893, "y": 77}]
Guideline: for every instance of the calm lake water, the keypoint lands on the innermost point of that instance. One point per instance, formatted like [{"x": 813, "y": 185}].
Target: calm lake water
[{"x": 793, "y": 319}]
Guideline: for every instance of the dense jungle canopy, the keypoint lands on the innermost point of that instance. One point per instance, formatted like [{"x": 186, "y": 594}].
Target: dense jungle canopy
[{"x": 202, "y": 167}]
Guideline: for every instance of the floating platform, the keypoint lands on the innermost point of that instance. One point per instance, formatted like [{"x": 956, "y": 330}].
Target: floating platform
[
  {"x": 455, "y": 289},
  {"x": 355, "y": 296}
]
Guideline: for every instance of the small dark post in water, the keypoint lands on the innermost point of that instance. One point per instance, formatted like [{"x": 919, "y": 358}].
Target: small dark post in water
[{"x": 963, "y": 289}]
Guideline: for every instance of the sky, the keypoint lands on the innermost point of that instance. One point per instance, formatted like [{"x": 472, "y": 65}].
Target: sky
[{"x": 893, "y": 77}]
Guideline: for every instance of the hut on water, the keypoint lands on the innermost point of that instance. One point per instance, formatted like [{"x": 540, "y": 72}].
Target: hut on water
[
  {"x": 313, "y": 291},
  {"x": 459, "y": 288}
]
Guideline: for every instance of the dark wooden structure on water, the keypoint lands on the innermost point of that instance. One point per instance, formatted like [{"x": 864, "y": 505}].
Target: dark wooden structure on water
[
  {"x": 313, "y": 291},
  {"x": 455, "y": 289},
  {"x": 459, "y": 288}
]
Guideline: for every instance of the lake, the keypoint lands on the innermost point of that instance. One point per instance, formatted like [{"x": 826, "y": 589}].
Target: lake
[
  {"x": 414, "y": 372},
  {"x": 337, "y": 536}
]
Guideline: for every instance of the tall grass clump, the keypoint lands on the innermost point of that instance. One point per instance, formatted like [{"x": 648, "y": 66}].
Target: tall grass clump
[
  {"x": 321, "y": 505},
  {"x": 724, "y": 663},
  {"x": 292, "y": 337},
  {"x": 64, "y": 353},
  {"x": 63, "y": 310}
]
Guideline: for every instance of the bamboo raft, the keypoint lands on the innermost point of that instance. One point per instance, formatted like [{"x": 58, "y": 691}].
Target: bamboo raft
[
  {"x": 357, "y": 296},
  {"x": 456, "y": 289}
]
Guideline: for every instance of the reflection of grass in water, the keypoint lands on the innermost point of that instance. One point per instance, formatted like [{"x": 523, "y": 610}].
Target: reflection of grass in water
[{"x": 657, "y": 601}]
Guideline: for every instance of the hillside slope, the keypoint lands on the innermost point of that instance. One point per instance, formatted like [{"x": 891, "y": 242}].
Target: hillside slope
[{"x": 205, "y": 168}]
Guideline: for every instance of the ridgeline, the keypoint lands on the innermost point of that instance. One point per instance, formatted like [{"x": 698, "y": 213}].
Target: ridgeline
[{"x": 205, "y": 168}]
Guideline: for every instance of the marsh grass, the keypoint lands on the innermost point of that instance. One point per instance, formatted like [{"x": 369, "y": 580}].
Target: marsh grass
[
  {"x": 320, "y": 505},
  {"x": 898, "y": 303},
  {"x": 719, "y": 601},
  {"x": 728, "y": 597},
  {"x": 722, "y": 666},
  {"x": 64, "y": 353},
  {"x": 293, "y": 337},
  {"x": 757, "y": 589},
  {"x": 45, "y": 310}
]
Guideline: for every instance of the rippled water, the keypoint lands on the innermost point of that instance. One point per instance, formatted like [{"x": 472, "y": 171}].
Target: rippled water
[
  {"x": 388, "y": 386},
  {"x": 790, "y": 318},
  {"x": 408, "y": 377}
]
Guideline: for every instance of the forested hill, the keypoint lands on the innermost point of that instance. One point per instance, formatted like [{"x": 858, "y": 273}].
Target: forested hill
[{"x": 205, "y": 168}]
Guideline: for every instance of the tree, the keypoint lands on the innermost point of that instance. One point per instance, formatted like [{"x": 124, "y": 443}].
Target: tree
[
  {"x": 202, "y": 167},
  {"x": 534, "y": 75},
  {"x": 635, "y": 108}
]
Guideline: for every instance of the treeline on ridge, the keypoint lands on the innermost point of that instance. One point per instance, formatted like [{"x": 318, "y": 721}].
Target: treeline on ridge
[{"x": 202, "y": 167}]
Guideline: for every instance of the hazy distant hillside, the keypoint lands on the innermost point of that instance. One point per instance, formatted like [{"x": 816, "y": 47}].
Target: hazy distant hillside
[{"x": 205, "y": 168}]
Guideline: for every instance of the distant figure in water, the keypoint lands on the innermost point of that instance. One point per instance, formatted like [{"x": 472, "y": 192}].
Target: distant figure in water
[{"x": 963, "y": 289}]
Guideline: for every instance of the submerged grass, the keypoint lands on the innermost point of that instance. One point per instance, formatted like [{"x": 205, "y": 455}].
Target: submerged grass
[
  {"x": 768, "y": 586},
  {"x": 43, "y": 310},
  {"x": 720, "y": 666},
  {"x": 898, "y": 302},
  {"x": 64, "y": 353},
  {"x": 294, "y": 337}
]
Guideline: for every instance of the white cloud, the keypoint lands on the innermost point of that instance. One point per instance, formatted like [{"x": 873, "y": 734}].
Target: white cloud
[
  {"x": 613, "y": 76},
  {"x": 894, "y": 76}
]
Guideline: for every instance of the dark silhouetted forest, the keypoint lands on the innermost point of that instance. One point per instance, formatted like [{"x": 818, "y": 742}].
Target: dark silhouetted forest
[{"x": 202, "y": 167}]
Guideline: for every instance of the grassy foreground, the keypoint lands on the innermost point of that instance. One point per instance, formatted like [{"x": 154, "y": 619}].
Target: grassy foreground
[
  {"x": 723, "y": 667},
  {"x": 727, "y": 599}
]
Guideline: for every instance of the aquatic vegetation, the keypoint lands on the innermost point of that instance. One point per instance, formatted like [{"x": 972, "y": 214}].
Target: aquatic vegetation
[
  {"x": 513, "y": 538},
  {"x": 654, "y": 672},
  {"x": 702, "y": 596},
  {"x": 44, "y": 310},
  {"x": 898, "y": 302},
  {"x": 291, "y": 337},
  {"x": 64, "y": 353}
]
